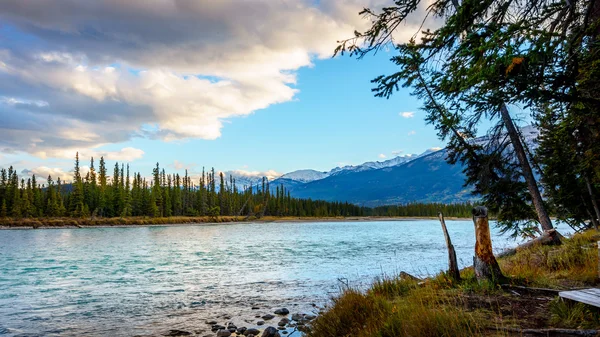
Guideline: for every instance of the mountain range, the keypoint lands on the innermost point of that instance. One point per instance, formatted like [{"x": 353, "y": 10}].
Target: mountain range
[{"x": 426, "y": 177}]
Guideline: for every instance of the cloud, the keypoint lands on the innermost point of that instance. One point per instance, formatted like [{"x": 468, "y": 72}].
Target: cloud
[
  {"x": 127, "y": 154},
  {"x": 42, "y": 172},
  {"x": 270, "y": 174},
  {"x": 90, "y": 73},
  {"x": 397, "y": 152},
  {"x": 182, "y": 166},
  {"x": 412, "y": 132},
  {"x": 382, "y": 156},
  {"x": 434, "y": 149},
  {"x": 407, "y": 114}
]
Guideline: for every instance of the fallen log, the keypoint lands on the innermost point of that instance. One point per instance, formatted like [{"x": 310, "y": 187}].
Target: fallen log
[
  {"x": 548, "y": 291},
  {"x": 550, "y": 237},
  {"x": 548, "y": 332}
]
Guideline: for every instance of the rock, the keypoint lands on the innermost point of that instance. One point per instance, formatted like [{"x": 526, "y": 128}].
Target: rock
[
  {"x": 309, "y": 317},
  {"x": 231, "y": 325},
  {"x": 211, "y": 322},
  {"x": 281, "y": 328},
  {"x": 268, "y": 317},
  {"x": 241, "y": 330},
  {"x": 223, "y": 333},
  {"x": 297, "y": 317},
  {"x": 281, "y": 323},
  {"x": 251, "y": 332},
  {"x": 232, "y": 330},
  {"x": 260, "y": 322},
  {"x": 255, "y": 308},
  {"x": 250, "y": 335},
  {"x": 284, "y": 332},
  {"x": 270, "y": 332},
  {"x": 217, "y": 327},
  {"x": 282, "y": 311},
  {"x": 257, "y": 316},
  {"x": 175, "y": 332}
]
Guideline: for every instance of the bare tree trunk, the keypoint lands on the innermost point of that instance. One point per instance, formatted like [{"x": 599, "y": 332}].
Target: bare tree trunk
[
  {"x": 453, "y": 270},
  {"x": 526, "y": 167},
  {"x": 594, "y": 202},
  {"x": 485, "y": 264}
]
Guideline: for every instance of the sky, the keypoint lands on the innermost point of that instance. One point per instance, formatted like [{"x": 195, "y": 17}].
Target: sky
[{"x": 248, "y": 87}]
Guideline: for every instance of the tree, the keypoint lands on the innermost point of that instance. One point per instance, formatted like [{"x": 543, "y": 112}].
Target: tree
[
  {"x": 76, "y": 197},
  {"x": 486, "y": 57}
]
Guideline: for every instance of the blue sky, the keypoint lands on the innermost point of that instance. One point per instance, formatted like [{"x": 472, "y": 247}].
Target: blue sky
[{"x": 235, "y": 97}]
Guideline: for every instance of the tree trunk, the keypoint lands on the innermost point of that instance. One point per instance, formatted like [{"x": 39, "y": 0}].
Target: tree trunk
[
  {"x": 550, "y": 237},
  {"x": 594, "y": 202},
  {"x": 527, "y": 172},
  {"x": 453, "y": 270},
  {"x": 485, "y": 264}
]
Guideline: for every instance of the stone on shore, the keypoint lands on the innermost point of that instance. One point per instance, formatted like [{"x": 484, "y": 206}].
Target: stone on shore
[
  {"x": 268, "y": 317},
  {"x": 175, "y": 332},
  {"x": 270, "y": 332},
  {"x": 223, "y": 333},
  {"x": 282, "y": 311},
  {"x": 251, "y": 332}
]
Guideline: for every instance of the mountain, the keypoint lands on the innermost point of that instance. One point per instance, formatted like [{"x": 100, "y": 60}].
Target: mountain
[
  {"x": 305, "y": 176},
  {"x": 428, "y": 178}
]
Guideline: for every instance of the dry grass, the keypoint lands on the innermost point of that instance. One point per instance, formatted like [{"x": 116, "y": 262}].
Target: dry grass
[
  {"x": 570, "y": 265},
  {"x": 442, "y": 307},
  {"x": 127, "y": 221}
]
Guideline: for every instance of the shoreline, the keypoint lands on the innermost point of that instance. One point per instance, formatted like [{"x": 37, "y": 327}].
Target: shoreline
[{"x": 55, "y": 223}]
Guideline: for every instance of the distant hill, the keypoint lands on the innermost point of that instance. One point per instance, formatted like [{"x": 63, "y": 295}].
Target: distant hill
[{"x": 425, "y": 179}]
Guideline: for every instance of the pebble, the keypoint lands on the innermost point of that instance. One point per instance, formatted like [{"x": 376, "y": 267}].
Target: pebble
[
  {"x": 211, "y": 322},
  {"x": 251, "y": 332},
  {"x": 260, "y": 322},
  {"x": 176, "y": 332},
  {"x": 223, "y": 333},
  {"x": 268, "y": 317},
  {"x": 282, "y": 311}
]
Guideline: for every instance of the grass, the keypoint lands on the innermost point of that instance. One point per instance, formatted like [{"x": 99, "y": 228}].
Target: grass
[{"x": 440, "y": 306}]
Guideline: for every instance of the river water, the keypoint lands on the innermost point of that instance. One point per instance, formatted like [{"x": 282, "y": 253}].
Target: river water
[{"x": 144, "y": 281}]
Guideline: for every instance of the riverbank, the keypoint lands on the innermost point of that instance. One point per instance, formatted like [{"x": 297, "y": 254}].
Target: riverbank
[
  {"x": 441, "y": 307},
  {"x": 48, "y": 223}
]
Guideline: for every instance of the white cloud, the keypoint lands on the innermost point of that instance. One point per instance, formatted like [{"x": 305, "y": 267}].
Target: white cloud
[
  {"x": 127, "y": 154},
  {"x": 433, "y": 149},
  {"x": 412, "y": 132},
  {"x": 182, "y": 166},
  {"x": 397, "y": 152},
  {"x": 103, "y": 70},
  {"x": 270, "y": 174},
  {"x": 407, "y": 114},
  {"x": 382, "y": 156}
]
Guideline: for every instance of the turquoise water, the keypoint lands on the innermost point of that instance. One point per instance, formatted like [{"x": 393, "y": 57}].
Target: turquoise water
[{"x": 124, "y": 281}]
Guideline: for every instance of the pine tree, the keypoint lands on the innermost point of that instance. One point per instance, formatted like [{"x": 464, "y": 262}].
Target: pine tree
[{"x": 76, "y": 196}]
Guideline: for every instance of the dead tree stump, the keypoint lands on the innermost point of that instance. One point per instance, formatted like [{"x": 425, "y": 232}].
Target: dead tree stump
[
  {"x": 485, "y": 264},
  {"x": 453, "y": 270}
]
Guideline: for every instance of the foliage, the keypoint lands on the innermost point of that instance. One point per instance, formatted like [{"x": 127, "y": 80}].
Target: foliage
[{"x": 487, "y": 57}]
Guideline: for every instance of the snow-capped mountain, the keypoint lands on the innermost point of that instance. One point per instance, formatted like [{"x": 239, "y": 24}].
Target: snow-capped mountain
[{"x": 305, "y": 175}]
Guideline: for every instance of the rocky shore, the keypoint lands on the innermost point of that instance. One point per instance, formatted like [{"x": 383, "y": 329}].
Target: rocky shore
[{"x": 279, "y": 323}]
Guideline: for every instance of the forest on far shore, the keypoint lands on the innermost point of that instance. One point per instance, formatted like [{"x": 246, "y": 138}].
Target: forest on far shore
[{"x": 127, "y": 194}]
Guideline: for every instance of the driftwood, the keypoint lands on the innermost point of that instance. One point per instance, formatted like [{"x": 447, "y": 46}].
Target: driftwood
[
  {"x": 548, "y": 332},
  {"x": 550, "y": 237},
  {"x": 453, "y": 270},
  {"x": 409, "y": 277},
  {"x": 485, "y": 264},
  {"x": 552, "y": 292}
]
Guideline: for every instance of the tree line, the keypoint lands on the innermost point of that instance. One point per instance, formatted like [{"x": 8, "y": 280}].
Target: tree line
[{"x": 126, "y": 193}]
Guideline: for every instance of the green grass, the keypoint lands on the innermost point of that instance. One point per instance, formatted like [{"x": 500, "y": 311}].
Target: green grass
[{"x": 440, "y": 306}]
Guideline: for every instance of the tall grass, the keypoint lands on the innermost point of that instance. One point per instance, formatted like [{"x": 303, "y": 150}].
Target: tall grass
[
  {"x": 395, "y": 307},
  {"x": 572, "y": 264},
  {"x": 440, "y": 306}
]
